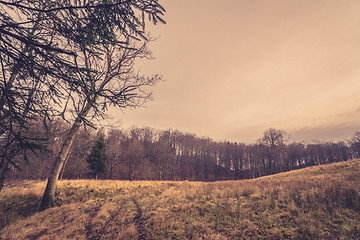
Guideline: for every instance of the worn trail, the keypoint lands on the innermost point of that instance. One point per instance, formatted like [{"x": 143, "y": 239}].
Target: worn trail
[
  {"x": 88, "y": 228},
  {"x": 139, "y": 222}
]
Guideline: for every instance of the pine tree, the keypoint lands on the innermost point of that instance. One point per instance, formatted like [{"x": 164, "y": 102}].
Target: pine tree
[{"x": 97, "y": 158}]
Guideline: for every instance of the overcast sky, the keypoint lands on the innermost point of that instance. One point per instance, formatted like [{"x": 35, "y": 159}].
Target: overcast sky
[{"x": 235, "y": 68}]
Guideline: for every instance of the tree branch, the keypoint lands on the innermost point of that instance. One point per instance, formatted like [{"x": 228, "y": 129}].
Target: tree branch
[{"x": 29, "y": 41}]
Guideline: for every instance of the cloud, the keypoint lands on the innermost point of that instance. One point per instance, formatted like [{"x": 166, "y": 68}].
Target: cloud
[
  {"x": 338, "y": 132},
  {"x": 235, "y": 69}
]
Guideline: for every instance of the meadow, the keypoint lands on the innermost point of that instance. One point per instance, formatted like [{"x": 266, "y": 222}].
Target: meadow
[{"x": 320, "y": 202}]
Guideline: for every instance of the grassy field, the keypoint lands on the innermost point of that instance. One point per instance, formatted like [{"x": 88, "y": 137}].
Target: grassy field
[{"x": 321, "y": 202}]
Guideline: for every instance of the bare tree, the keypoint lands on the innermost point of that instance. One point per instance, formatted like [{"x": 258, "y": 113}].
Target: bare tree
[
  {"x": 115, "y": 149},
  {"x": 274, "y": 140},
  {"x": 355, "y": 144},
  {"x": 294, "y": 156},
  {"x": 108, "y": 81},
  {"x": 42, "y": 49}
]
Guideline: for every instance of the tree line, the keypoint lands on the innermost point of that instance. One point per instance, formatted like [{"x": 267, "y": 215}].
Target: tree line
[{"x": 151, "y": 154}]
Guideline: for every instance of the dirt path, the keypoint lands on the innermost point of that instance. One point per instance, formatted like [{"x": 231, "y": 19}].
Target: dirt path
[
  {"x": 88, "y": 228},
  {"x": 97, "y": 232},
  {"x": 139, "y": 223}
]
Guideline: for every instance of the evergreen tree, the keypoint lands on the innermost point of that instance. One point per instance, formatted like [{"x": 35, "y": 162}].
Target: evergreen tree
[{"x": 97, "y": 158}]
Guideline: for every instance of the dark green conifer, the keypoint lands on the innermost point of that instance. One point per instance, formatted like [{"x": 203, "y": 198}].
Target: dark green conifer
[{"x": 97, "y": 158}]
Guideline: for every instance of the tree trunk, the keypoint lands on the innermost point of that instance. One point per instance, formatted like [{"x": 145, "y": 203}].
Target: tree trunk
[
  {"x": 110, "y": 172},
  {"x": 63, "y": 167},
  {"x": 3, "y": 171},
  {"x": 49, "y": 194},
  {"x": 48, "y": 198}
]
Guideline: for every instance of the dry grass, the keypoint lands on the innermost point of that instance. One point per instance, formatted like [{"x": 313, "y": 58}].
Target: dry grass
[{"x": 321, "y": 202}]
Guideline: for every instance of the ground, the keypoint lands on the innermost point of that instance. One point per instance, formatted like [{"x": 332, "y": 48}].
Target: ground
[{"x": 321, "y": 202}]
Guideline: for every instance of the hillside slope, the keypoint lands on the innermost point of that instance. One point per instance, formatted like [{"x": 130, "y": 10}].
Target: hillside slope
[{"x": 321, "y": 202}]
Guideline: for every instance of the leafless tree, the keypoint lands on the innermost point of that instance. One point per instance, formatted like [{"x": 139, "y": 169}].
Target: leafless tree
[
  {"x": 274, "y": 140},
  {"x": 43, "y": 46},
  {"x": 108, "y": 81},
  {"x": 355, "y": 144}
]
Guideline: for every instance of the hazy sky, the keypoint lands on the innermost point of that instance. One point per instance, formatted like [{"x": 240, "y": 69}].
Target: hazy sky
[{"x": 235, "y": 68}]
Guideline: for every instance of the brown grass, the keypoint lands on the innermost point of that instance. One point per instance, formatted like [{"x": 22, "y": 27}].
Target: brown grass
[{"x": 321, "y": 202}]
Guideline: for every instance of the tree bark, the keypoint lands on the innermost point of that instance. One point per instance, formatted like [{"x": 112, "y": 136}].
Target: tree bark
[
  {"x": 63, "y": 167},
  {"x": 110, "y": 172},
  {"x": 49, "y": 194},
  {"x": 3, "y": 171}
]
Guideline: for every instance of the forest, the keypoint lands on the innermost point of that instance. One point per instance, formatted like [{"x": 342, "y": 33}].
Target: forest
[{"x": 152, "y": 154}]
